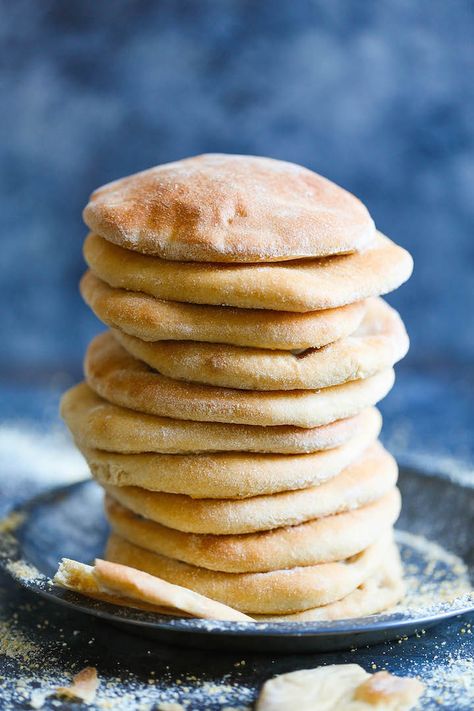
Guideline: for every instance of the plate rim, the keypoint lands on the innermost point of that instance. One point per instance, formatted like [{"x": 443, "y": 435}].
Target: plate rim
[{"x": 43, "y": 587}]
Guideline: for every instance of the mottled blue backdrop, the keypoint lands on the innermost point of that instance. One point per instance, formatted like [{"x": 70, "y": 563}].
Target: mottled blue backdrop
[{"x": 376, "y": 95}]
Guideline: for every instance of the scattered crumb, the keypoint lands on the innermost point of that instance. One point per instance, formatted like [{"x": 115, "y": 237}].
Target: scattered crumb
[
  {"x": 37, "y": 699},
  {"x": 83, "y": 688}
]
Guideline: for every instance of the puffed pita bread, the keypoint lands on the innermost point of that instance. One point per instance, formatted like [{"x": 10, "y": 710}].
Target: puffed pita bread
[
  {"x": 129, "y": 587},
  {"x": 231, "y": 475},
  {"x": 123, "y": 380},
  {"x": 276, "y": 592},
  {"x": 96, "y": 423},
  {"x": 153, "y": 319},
  {"x": 380, "y": 341},
  {"x": 383, "y": 590},
  {"x": 122, "y": 585},
  {"x": 339, "y": 687},
  {"x": 322, "y": 540},
  {"x": 229, "y": 208},
  {"x": 309, "y": 285},
  {"x": 368, "y": 479}
]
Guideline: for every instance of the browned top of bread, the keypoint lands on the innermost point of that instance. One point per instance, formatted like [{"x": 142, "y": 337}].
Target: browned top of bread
[{"x": 230, "y": 208}]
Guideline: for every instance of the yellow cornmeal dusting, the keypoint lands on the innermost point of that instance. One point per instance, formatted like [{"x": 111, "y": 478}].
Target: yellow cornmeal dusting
[
  {"x": 11, "y": 522},
  {"x": 23, "y": 571},
  {"x": 453, "y": 680},
  {"x": 432, "y": 586},
  {"x": 14, "y": 644}
]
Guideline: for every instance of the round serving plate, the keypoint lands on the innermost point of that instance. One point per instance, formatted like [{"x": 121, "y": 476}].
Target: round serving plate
[{"x": 435, "y": 539}]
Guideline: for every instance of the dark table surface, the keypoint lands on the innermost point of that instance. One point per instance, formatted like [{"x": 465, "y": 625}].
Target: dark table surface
[{"x": 427, "y": 423}]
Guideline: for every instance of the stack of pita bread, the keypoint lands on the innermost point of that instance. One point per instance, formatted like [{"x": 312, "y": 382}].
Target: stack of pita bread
[{"x": 229, "y": 411}]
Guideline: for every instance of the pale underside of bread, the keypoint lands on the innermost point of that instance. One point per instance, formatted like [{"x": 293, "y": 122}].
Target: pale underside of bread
[
  {"x": 153, "y": 319},
  {"x": 309, "y": 285},
  {"x": 229, "y": 208},
  {"x": 122, "y": 379},
  {"x": 232, "y": 475},
  {"x": 379, "y": 342},
  {"x": 339, "y": 687},
  {"x": 363, "y": 481},
  {"x": 275, "y": 592},
  {"x": 96, "y": 423},
  {"x": 322, "y": 540}
]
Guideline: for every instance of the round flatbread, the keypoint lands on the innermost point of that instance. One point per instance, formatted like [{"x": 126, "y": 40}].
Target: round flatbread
[
  {"x": 384, "y": 589},
  {"x": 379, "y": 342},
  {"x": 229, "y": 208},
  {"x": 366, "y": 480},
  {"x": 123, "y": 380},
  {"x": 230, "y": 475},
  {"x": 276, "y": 592},
  {"x": 309, "y": 285},
  {"x": 96, "y": 423},
  {"x": 320, "y": 540},
  {"x": 152, "y": 319}
]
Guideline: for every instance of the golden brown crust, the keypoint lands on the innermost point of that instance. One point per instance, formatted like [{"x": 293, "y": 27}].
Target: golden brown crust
[
  {"x": 379, "y": 342},
  {"x": 384, "y": 589},
  {"x": 96, "y": 423},
  {"x": 83, "y": 688},
  {"x": 392, "y": 692},
  {"x": 320, "y": 540},
  {"x": 122, "y": 379},
  {"x": 122, "y": 585},
  {"x": 229, "y": 208},
  {"x": 309, "y": 285},
  {"x": 276, "y": 592},
  {"x": 152, "y": 319},
  {"x": 364, "y": 481},
  {"x": 231, "y": 475}
]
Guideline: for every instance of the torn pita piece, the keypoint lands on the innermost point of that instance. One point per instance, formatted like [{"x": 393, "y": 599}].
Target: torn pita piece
[
  {"x": 339, "y": 687},
  {"x": 83, "y": 688},
  {"x": 122, "y": 585}
]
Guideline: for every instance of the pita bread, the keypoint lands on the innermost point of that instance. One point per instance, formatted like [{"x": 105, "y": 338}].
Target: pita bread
[
  {"x": 123, "y": 380},
  {"x": 276, "y": 592},
  {"x": 339, "y": 687},
  {"x": 382, "y": 590},
  {"x": 366, "y": 480},
  {"x": 122, "y": 585},
  {"x": 379, "y": 342},
  {"x": 96, "y": 423},
  {"x": 309, "y": 285},
  {"x": 152, "y": 319},
  {"x": 321, "y": 540},
  {"x": 233, "y": 475},
  {"x": 229, "y": 208}
]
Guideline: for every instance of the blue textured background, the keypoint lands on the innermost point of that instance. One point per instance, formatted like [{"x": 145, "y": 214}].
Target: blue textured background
[{"x": 377, "y": 96}]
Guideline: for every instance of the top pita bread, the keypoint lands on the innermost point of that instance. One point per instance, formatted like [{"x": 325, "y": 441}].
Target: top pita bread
[{"x": 229, "y": 208}]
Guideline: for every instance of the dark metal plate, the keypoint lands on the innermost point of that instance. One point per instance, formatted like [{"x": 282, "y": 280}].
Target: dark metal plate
[{"x": 69, "y": 522}]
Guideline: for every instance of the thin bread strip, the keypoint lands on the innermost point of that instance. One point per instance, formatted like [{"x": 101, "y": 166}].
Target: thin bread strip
[{"x": 121, "y": 584}]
